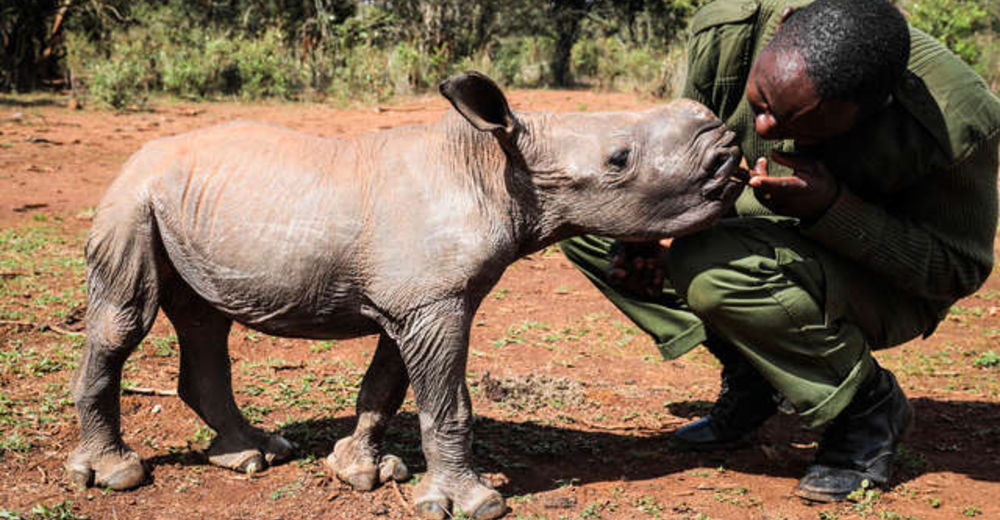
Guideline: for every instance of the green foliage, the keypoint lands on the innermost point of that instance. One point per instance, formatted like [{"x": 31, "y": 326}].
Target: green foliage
[
  {"x": 614, "y": 64},
  {"x": 120, "y": 51},
  {"x": 61, "y": 511},
  {"x": 970, "y": 28},
  {"x": 954, "y": 22},
  {"x": 987, "y": 359}
]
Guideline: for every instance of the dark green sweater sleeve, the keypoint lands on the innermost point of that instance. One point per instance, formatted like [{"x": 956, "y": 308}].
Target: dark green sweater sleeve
[{"x": 937, "y": 242}]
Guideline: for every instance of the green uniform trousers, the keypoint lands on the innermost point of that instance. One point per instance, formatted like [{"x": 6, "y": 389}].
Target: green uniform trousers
[{"x": 804, "y": 317}]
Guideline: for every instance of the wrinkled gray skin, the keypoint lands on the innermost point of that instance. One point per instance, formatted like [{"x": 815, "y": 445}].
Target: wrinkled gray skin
[{"x": 400, "y": 233}]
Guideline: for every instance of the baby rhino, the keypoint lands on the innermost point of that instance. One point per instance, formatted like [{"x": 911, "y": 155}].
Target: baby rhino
[{"x": 400, "y": 233}]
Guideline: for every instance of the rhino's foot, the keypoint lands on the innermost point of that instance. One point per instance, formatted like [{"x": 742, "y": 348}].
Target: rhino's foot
[
  {"x": 356, "y": 464},
  {"x": 119, "y": 468},
  {"x": 248, "y": 454},
  {"x": 434, "y": 499}
]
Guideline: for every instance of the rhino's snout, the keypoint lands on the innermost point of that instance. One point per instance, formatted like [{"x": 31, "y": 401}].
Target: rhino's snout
[{"x": 725, "y": 178}]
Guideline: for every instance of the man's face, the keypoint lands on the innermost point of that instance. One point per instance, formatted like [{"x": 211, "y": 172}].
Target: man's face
[{"x": 785, "y": 103}]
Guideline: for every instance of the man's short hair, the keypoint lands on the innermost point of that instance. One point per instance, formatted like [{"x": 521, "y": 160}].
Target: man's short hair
[{"x": 854, "y": 50}]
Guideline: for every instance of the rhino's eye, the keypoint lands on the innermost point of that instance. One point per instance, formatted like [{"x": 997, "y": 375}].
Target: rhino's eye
[{"x": 619, "y": 159}]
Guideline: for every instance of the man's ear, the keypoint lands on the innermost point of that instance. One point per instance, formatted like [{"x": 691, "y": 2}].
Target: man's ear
[{"x": 480, "y": 101}]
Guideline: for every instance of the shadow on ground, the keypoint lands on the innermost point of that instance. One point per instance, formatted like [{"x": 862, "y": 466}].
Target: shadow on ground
[{"x": 948, "y": 436}]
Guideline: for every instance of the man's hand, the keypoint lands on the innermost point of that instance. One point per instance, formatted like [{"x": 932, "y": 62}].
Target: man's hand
[
  {"x": 806, "y": 195},
  {"x": 637, "y": 267}
]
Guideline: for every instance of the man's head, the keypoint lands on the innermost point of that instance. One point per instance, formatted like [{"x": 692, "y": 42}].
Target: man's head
[{"x": 829, "y": 64}]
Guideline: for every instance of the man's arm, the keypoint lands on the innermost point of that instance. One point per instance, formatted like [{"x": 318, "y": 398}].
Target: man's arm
[{"x": 934, "y": 240}]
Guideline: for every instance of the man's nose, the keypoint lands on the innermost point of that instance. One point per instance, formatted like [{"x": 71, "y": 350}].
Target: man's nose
[{"x": 765, "y": 125}]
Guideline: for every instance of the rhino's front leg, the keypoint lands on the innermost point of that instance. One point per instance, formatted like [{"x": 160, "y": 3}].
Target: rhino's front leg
[
  {"x": 357, "y": 459},
  {"x": 435, "y": 348}
]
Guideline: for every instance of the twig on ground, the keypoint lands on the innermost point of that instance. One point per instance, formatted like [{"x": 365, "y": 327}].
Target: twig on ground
[
  {"x": 624, "y": 427},
  {"x": 399, "y": 109},
  {"x": 278, "y": 368},
  {"x": 54, "y": 327},
  {"x": 145, "y": 390},
  {"x": 20, "y": 323}
]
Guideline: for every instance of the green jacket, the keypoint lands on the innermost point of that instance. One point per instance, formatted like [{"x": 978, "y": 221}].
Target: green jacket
[{"x": 919, "y": 197}]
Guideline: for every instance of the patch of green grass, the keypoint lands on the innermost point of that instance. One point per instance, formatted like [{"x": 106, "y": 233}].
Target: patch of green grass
[
  {"x": 648, "y": 505},
  {"x": 987, "y": 359},
  {"x": 165, "y": 346},
  {"x": 322, "y": 346},
  {"x": 287, "y": 490},
  {"x": 864, "y": 499},
  {"x": 971, "y": 511},
  {"x": 909, "y": 460},
  {"x": 59, "y": 511},
  {"x": 202, "y": 435},
  {"x": 500, "y": 294}
]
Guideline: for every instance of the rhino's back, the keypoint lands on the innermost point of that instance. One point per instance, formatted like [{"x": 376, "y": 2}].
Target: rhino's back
[{"x": 264, "y": 223}]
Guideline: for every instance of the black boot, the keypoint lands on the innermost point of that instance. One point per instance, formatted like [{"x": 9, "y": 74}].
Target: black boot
[
  {"x": 860, "y": 444},
  {"x": 745, "y": 401}
]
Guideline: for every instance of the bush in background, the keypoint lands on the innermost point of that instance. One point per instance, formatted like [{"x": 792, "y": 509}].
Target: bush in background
[
  {"x": 970, "y": 28},
  {"x": 120, "y": 51}
]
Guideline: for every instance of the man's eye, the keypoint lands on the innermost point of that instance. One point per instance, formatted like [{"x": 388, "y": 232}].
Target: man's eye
[{"x": 619, "y": 159}]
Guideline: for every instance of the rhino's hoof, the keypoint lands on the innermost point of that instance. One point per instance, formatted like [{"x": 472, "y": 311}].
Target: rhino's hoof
[
  {"x": 112, "y": 471},
  {"x": 79, "y": 479},
  {"x": 245, "y": 461},
  {"x": 433, "y": 509},
  {"x": 493, "y": 507},
  {"x": 124, "y": 475},
  {"x": 392, "y": 467},
  {"x": 78, "y": 470},
  {"x": 278, "y": 449}
]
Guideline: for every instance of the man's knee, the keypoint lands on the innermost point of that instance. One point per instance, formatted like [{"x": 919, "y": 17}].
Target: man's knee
[{"x": 694, "y": 255}]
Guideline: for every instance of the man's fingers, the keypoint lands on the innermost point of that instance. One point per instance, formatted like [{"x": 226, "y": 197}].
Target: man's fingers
[
  {"x": 759, "y": 168},
  {"x": 777, "y": 183}
]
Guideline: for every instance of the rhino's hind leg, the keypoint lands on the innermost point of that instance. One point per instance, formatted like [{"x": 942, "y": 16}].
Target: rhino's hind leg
[
  {"x": 102, "y": 458},
  {"x": 205, "y": 384},
  {"x": 121, "y": 306},
  {"x": 357, "y": 459}
]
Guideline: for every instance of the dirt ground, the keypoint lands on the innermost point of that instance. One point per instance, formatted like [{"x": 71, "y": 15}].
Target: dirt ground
[{"x": 574, "y": 406}]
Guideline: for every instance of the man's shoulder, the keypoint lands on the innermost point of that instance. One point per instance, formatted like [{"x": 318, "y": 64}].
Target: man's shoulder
[
  {"x": 721, "y": 12},
  {"x": 726, "y": 12},
  {"x": 948, "y": 97}
]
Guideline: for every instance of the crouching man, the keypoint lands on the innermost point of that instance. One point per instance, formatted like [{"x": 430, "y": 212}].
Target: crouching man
[{"x": 872, "y": 207}]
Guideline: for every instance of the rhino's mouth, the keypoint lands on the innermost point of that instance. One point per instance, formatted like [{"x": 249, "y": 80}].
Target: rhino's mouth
[{"x": 728, "y": 179}]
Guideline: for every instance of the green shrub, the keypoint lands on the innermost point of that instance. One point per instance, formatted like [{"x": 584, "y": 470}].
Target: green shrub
[
  {"x": 200, "y": 72},
  {"x": 267, "y": 68},
  {"x": 970, "y": 28},
  {"x": 524, "y": 61},
  {"x": 954, "y": 22},
  {"x": 122, "y": 80},
  {"x": 360, "y": 74},
  {"x": 611, "y": 64}
]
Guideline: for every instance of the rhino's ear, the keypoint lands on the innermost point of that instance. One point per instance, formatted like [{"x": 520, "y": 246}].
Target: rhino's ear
[{"x": 479, "y": 100}]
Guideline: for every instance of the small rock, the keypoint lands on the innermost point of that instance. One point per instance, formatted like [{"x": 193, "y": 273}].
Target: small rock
[
  {"x": 157, "y": 408},
  {"x": 73, "y": 104},
  {"x": 380, "y": 510}
]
